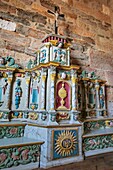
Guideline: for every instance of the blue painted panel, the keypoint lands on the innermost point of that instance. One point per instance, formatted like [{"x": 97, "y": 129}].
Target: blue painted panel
[
  {"x": 35, "y": 96},
  {"x": 0, "y": 93},
  {"x": 65, "y": 143}
]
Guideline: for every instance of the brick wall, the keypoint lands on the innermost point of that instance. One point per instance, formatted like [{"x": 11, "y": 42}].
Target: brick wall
[{"x": 23, "y": 23}]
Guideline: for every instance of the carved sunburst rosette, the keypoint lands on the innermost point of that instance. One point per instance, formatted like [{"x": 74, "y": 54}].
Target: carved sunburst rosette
[{"x": 65, "y": 143}]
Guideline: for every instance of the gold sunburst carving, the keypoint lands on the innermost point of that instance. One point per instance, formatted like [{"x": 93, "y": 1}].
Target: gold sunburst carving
[{"x": 65, "y": 143}]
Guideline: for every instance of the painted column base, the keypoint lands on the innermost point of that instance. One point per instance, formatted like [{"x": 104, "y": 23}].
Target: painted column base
[
  {"x": 74, "y": 116},
  {"x": 52, "y": 118}
]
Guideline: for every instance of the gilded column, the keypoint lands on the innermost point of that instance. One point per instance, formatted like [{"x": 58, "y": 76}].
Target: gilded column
[
  {"x": 74, "y": 111},
  {"x": 27, "y": 90},
  {"x": 68, "y": 54},
  {"x": 8, "y": 93},
  {"x": 97, "y": 95},
  {"x": 43, "y": 89},
  {"x": 86, "y": 93},
  {"x": 74, "y": 90},
  {"x": 86, "y": 102},
  {"x": 52, "y": 91},
  {"x": 48, "y": 52},
  {"x": 97, "y": 86},
  {"x": 38, "y": 57},
  {"x": 103, "y": 86}
]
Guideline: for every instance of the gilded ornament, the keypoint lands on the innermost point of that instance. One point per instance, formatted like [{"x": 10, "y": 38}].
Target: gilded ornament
[
  {"x": 67, "y": 45},
  {"x": 53, "y": 76},
  {"x": 33, "y": 116},
  {"x": 68, "y": 76},
  {"x": 27, "y": 81},
  {"x": 97, "y": 87},
  {"x": 58, "y": 75},
  {"x": 5, "y": 75},
  {"x": 65, "y": 143},
  {"x": 54, "y": 42},
  {"x": 43, "y": 78},
  {"x": 63, "y": 116},
  {"x": 1, "y": 114},
  {"x": 74, "y": 80},
  {"x": 62, "y": 94},
  {"x": 48, "y": 45},
  {"x": 9, "y": 80},
  {"x": 20, "y": 115}
]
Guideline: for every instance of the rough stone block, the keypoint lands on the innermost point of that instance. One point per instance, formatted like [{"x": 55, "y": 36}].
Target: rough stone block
[
  {"x": 22, "y": 29},
  {"x": 35, "y": 33},
  {"x": 15, "y": 38},
  {"x": 7, "y": 25},
  {"x": 35, "y": 43},
  {"x": 14, "y": 18},
  {"x": 109, "y": 77},
  {"x": 3, "y": 6},
  {"x": 32, "y": 16},
  {"x": 101, "y": 60},
  {"x": 48, "y": 4},
  {"x": 7, "y": 8},
  {"x": 104, "y": 44},
  {"x": 87, "y": 9},
  {"x": 2, "y": 43},
  {"x": 12, "y": 46}
]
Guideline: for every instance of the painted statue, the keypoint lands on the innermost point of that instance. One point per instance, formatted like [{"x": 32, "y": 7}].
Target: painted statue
[{"x": 18, "y": 93}]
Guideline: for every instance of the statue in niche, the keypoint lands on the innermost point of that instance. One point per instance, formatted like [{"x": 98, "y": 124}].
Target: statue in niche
[
  {"x": 5, "y": 86},
  {"x": 30, "y": 64},
  {"x": 102, "y": 97},
  {"x": 60, "y": 56},
  {"x": 18, "y": 93},
  {"x": 43, "y": 56}
]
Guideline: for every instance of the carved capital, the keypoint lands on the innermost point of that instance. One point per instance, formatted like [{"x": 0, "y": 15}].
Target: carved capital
[
  {"x": 74, "y": 80},
  {"x": 27, "y": 81},
  {"x": 48, "y": 45},
  {"x": 9, "y": 80},
  {"x": 53, "y": 75},
  {"x": 43, "y": 78}
]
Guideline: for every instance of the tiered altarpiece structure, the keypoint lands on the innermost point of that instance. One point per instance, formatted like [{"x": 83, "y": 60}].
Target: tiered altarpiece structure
[{"x": 56, "y": 105}]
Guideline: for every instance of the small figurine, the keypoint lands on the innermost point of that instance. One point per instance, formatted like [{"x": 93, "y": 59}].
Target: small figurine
[
  {"x": 18, "y": 93},
  {"x": 11, "y": 62}
]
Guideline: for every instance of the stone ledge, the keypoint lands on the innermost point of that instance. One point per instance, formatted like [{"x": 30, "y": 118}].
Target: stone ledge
[
  {"x": 21, "y": 141},
  {"x": 98, "y": 152},
  {"x": 99, "y": 132}
]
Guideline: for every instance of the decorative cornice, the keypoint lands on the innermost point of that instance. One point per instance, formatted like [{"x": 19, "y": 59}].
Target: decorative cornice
[
  {"x": 55, "y": 126},
  {"x": 22, "y": 144}
]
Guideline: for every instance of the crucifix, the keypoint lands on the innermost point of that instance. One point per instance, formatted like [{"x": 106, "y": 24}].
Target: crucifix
[{"x": 57, "y": 15}]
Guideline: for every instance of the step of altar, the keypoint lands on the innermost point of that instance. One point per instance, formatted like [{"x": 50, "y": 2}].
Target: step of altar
[
  {"x": 16, "y": 153},
  {"x": 12, "y": 129},
  {"x": 98, "y": 141},
  {"x": 97, "y": 123},
  {"x": 16, "y": 150}
]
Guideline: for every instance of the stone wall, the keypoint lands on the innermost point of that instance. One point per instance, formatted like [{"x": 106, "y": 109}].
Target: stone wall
[{"x": 23, "y": 23}]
